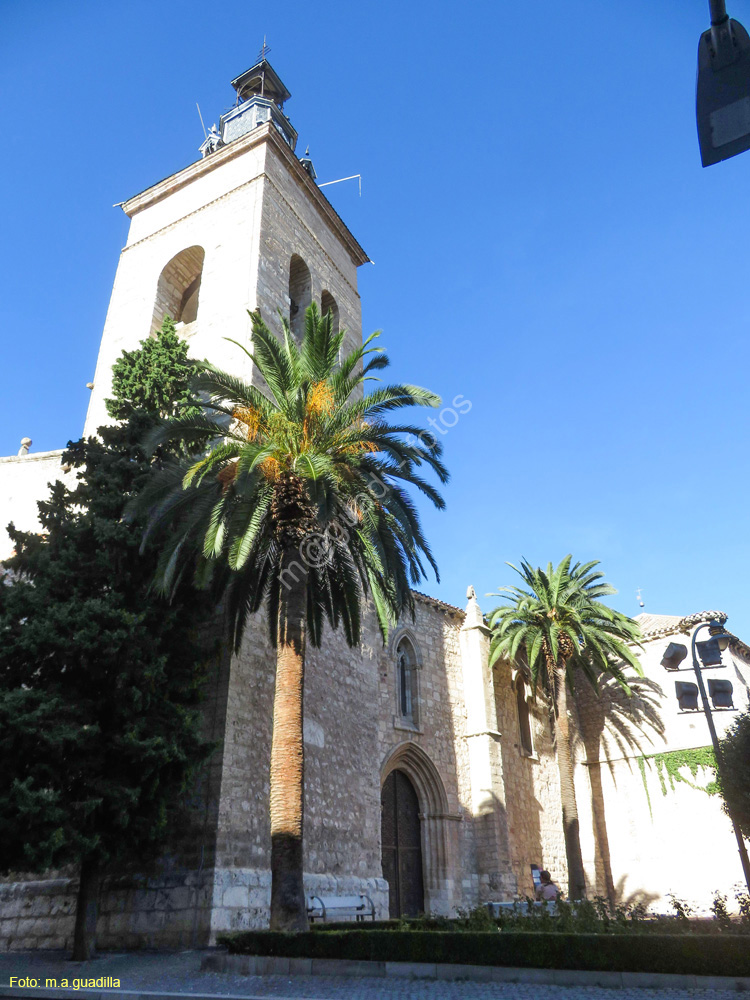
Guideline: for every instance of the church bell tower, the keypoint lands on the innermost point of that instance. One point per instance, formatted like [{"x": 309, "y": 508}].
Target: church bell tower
[{"x": 243, "y": 228}]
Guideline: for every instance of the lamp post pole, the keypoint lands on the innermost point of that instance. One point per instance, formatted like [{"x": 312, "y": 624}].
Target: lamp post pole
[
  {"x": 718, "y": 11},
  {"x": 744, "y": 860}
]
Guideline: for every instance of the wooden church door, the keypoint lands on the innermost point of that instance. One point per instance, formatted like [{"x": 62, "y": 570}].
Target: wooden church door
[{"x": 402, "y": 846}]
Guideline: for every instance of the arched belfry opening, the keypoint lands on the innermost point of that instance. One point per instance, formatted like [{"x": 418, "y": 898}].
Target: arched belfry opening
[
  {"x": 328, "y": 305},
  {"x": 178, "y": 288},
  {"x": 300, "y": 294},
  {"x": 417, "y": 833}
]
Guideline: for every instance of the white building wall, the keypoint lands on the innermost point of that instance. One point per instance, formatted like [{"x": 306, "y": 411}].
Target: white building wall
[
  {"x": 24, "y": 481},
  {"x": 661, "y": 838}
]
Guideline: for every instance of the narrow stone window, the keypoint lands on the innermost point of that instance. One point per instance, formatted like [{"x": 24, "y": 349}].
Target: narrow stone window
[
  {"x": 406, "y": 673},
  {"x": 300, "y": 294},
  {"x": 328, "y": 305},
  {"x": 178, "y": 288},
  {"x": 525, "y": 744}
]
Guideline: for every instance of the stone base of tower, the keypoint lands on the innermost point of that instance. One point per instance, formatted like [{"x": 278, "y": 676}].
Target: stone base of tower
[{"x": 242, "y": 896}]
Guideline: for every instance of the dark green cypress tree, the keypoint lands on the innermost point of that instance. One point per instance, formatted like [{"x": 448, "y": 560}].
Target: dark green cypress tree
[
  {"x": 734, "y": 771},
  {"x": 100, "y": 678}
]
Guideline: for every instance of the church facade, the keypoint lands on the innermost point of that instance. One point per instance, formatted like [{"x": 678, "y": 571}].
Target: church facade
[{"x": 431, "y": 780}]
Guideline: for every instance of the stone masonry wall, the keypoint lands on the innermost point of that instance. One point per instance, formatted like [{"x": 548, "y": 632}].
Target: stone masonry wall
[
  {"x": 449, "y": 858},
  {"x": 342, "y": 791},
  {"x": 532, "y": 787},
  {"x": 168, "y": 912},
  {"x": 293, "y": 224}
]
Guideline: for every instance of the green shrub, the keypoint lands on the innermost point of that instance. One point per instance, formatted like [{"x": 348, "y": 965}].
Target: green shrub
[{"x": 728, "y": 954}]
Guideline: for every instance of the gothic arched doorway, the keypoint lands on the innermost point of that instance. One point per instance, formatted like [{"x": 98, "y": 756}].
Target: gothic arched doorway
[{"x": 401, "y": 839}]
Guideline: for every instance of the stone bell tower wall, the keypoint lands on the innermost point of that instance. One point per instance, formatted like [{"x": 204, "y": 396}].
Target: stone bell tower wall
[
  {"x": 298, "y": 220},
  {"x": 212, "y": 205},
  {"x": 247, "y": 209}
]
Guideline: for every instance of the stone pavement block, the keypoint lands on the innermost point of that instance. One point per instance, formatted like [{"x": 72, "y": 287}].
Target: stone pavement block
[
  {"x": 575, "y": 977},
  {"x": 345, "y": 967},
  {"x": 415, "y": 970},
  {"x": 477, "y": 973},
  {"x": 658, "y": 981},
  {"x": 269, "y": 966},
  {"x": 740, "y": 984},
  {"x": 300, "y": 966},
  {"x": 514, "y": 974}
]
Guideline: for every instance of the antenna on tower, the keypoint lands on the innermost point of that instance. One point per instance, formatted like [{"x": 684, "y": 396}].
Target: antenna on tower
[
  {"x": 639, "y": 598},
  {"x": 263, "y": 50},
  {"x": 205, "y": 133},
  {"x": 353, "y": 177}
]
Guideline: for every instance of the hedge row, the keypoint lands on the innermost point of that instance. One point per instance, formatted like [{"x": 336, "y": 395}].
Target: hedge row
[{"x": 727, "y": 955}]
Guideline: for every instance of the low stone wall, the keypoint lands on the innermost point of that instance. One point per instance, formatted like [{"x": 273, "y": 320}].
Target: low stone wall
[
  {"x": 168, "y": 912},
  {"x": 185, "y": 910}
]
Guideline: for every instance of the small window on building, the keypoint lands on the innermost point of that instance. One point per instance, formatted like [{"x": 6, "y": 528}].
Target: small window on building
[
  {"x": 525, "y": 745},
  {"x": 178, "y": 288},
  {"x": 328, "y": 305},
  {"x": 300, "y": 294},
  {"x": 687, "y": 695},
  {"x": 406, "y": 675},
  {"x": 720, "y": 693}
]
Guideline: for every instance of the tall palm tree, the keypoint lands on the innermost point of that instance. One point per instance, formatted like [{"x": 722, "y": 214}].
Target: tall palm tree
[
  {"x": 555, "y": 623},
  {"x": 297, "y": 499}
]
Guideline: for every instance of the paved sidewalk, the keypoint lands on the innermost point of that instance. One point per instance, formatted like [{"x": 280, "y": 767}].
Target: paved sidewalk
[{"x": 146, "y": 972}]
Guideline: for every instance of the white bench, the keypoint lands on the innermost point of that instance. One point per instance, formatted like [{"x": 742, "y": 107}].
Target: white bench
[{"x": 333, "y": 907}]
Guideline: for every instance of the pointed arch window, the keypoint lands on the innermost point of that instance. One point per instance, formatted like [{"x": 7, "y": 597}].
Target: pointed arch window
[
  {"x": 300, "y": 294},
  {"x": 525, "y": 742},
  {"x": 406, "y": 679}
]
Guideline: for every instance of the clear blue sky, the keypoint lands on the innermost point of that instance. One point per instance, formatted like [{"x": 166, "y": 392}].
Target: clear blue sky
[{"x": 546, "y": 243}]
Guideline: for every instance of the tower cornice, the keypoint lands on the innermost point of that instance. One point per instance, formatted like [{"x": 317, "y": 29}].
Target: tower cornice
[{"x": 262, "y": 134}]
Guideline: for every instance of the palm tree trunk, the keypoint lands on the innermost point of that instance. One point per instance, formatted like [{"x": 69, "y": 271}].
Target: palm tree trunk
[
  {"x": 87, "y": 910},
  {"x": 288, "y": 910},
  {"x": 602, "y": 860},
  {"x": 571, "y": 829}
]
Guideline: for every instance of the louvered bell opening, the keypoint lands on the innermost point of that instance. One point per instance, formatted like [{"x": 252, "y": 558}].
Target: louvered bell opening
[
  {"x": 709, "y": 652},
  {"x": 687, "y": 695},
  {"x": 720, "y": 693},
  {"x": 674, "y": 654}
]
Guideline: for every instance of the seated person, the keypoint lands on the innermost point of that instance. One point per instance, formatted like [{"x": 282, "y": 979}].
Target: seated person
[{"x": 547, "y": 888}]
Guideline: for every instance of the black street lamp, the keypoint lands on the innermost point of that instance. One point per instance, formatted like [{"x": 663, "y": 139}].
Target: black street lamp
[
  {"x": 717, "y": 630},
  {"x": 722, "y": 97}
]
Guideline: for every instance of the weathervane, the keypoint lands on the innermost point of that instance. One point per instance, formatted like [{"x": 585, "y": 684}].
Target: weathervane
[{"x": 264, "y": 49}]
